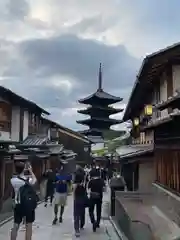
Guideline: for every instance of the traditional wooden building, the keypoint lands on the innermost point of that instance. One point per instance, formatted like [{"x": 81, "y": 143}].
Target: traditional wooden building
[
  {"x": 18, "y": 117},
  {"x": 154, "y": 158},
  {"x": 76, "y": 142}
]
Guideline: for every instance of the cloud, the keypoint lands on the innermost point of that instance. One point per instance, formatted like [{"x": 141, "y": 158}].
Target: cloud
[
  {"x": 58, "y": 71},
  {"x": 18, "y": 9},
  {"x": 51, "y": 49},
  {"x": 79, "y": 59}
]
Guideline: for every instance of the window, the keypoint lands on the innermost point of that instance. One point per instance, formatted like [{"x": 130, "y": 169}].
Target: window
[
  {"x": 34, "y": 122},
  {"x": 5, "y": 116}
]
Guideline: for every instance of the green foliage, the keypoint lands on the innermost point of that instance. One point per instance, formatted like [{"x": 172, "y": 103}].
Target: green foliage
[
  {"x": 111, "y": 134},
  {"x": 100, "y": 152}
]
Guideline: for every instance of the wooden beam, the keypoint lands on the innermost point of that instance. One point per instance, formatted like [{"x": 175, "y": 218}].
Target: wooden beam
[{"x": 73, "y": 135}]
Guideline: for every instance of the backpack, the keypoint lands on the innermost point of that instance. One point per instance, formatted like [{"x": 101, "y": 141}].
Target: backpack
[{"x": 28, "y": 197}]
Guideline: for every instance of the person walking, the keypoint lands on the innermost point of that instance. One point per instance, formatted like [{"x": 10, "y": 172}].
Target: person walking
[
  {"x": 96, "y": 186},
  {"x": 80, "y": 202},
  {"x": 60, "y": 198},
  {"x": 79, "y": 174},
  {"x": 25, "y": 199},
  {"x": 50, "y": 177}
]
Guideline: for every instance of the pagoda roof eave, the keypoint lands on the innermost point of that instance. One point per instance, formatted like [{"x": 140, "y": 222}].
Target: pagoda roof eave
[
  {"x": 111, "y": 121},
  {"x": 109, "y": 110},
  {"x": 101, "y": 95},
  {"x": 92, "y": 132}
]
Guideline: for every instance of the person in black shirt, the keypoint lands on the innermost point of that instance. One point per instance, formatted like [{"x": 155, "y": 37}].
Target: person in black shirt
[
  {"x": 79, "y": 175},
  {"x": 96, "y": 186},
  {"x": 80, "y": 201}
]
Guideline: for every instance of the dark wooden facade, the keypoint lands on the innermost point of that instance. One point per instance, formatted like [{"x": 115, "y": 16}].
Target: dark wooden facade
[
  {"x": 78, "y": 144},
  {"x": 5, "y": 116},
  {"x": 167, "y": 154},
  {"x": 157, "y": 84},
  {"x": 6, "y": 171}
]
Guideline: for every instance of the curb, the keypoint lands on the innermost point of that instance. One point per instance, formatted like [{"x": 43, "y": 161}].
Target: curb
[
  {"x": 118, "y": 231},
  {"x": 11, "y": 218}
]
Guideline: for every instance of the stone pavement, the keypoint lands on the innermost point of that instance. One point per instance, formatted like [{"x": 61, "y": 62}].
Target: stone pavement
[{"x": 43, "y": 229}]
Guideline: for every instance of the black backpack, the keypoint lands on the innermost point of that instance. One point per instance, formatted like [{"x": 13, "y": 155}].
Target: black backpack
[{"x": 28, "y": 197}]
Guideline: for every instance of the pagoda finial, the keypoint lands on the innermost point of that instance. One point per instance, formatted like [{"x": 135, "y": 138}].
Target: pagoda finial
[{"x": 100, "y": 78}]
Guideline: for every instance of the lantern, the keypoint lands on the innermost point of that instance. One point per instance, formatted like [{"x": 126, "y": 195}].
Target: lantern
[
  {"x": 148, "y": 110},
  {"x": 136, "y": 122}
]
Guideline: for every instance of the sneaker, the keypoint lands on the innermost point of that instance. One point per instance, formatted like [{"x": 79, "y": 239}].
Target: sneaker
[
  {"x": 77, "y": 234},
  {"x": 45, "y": 205},
  {"x": 54, "y": 221}
]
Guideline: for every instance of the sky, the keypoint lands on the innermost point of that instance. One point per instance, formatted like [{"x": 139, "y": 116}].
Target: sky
[{"x": 51, "y": 49}]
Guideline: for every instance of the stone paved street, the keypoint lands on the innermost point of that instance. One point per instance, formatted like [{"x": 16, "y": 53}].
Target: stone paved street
[{"x": 43, "y": 228}]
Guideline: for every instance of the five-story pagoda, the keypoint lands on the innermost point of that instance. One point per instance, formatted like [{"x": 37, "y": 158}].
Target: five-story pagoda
[{"x": 99, "y": 111}]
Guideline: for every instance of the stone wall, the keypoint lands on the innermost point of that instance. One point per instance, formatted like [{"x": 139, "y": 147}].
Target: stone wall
[{"x": 167, "y": 202}]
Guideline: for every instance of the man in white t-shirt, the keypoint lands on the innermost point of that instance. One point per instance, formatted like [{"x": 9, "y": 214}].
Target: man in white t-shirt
[{"x": 17, "y": 182}]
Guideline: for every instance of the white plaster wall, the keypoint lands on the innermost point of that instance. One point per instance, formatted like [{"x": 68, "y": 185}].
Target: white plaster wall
[
  {"x": 163, "y": 94},
  {"x": 5, "y": 136},
  {"x": 49, "y": 133},
  {"x": 176, "y": 78},
  {"x": 146, "y": 175},
  {"x": 15, "y": 123},
  {"x": 25, "y": 124},
  {"x": 149, "y": 136}
]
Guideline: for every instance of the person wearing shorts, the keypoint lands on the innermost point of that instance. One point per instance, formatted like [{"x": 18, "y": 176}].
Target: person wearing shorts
[
  {"x": 20, "y": 214},
  {"x": 60, "y": 197}
]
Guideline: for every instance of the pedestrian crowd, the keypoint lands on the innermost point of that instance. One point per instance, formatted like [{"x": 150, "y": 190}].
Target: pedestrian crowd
[{"x": 86, "y": 184}]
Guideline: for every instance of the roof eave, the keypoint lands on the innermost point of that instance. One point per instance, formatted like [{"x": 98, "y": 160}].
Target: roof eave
[
  {"x": 24, "y": 100},
  {"x": 145, "y": 61},
  {"x": 66, "y": 129},
  {"x": 94, "y": 95},
  {"x": 126, "y": 113}
]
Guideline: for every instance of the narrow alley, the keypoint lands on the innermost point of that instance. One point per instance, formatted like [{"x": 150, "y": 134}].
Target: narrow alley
[{"x": 43, "y": 229}]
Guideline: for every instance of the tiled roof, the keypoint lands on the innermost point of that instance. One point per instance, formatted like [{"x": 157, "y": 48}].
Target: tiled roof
[
  {"x": 16, "y": 99},
  {"x": 57, "y": 149},
  {"x": 134, "y": 150},
  {"x": 102, "y": 95},
  {"x": 35, "y": 140},
  {"x": 68, "y": 154}
]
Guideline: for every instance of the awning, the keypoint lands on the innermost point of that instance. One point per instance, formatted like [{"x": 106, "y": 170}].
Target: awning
[
  {"x": 130, "y": 151},
  {"x": 40, "y": 144},
  {"x": 68, "y": 155}
]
